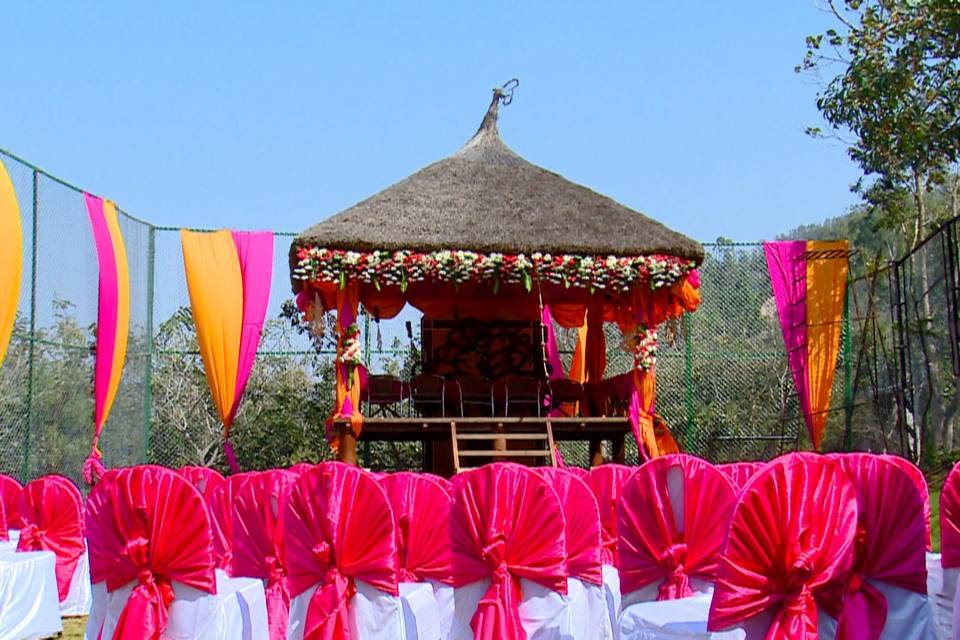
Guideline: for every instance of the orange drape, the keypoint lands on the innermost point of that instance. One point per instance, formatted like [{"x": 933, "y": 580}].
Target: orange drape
[
  {"x": 826, "y": 287},
  {"x": 348, "y": 395},
  {"x": 216, "y": 297},
  {"x": 11, "y": 259}
]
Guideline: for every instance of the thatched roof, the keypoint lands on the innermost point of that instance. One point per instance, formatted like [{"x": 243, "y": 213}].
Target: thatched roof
[{"x": 487, "y": 198}]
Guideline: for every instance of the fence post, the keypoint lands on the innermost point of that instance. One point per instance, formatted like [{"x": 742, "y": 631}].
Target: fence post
[
  {"x": 148, "y": 374},
  {"x": 688, "y": 374},
  {"x": 847, "y": 382},
  {"x": 25, "y": 471}
]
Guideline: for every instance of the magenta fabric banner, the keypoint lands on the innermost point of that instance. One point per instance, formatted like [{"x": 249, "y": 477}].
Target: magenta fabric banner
[
  {"x": 255, "y": 251},
  {"x": 106, "y": 306},
  {"x": 551, "y": 349},
  {"x": 788, "y": 278}
]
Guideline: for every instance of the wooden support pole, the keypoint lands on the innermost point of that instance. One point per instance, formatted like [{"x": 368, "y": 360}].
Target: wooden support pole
[
  {"x": 348, "y": 444},
  {"x": 619, "y": 443},
  {"x": 596, "y": 452}
]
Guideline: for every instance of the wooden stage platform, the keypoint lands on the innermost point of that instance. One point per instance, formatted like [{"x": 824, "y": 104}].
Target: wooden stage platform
[{"x": 437, "y": 435}]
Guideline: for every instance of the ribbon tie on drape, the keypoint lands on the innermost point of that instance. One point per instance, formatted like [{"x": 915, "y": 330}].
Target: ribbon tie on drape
[
  {"x": 145, "y": 615},
  {"x": 277, "y": 596},
  {"x": 497, "y": 615},
  {"x": 797, "y": 617},
  {"x": 327, "y": 614},
  {"x": 863, "y": 610},
  {"x": 677, "y": 583},
  {"x": 32, "y": 538}
]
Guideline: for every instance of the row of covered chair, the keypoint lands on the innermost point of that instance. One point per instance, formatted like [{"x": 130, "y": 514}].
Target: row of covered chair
[{"x": 804, "y": 546}]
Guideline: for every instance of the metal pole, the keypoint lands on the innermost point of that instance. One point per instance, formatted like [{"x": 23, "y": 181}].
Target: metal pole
[
  {"x": 688, "y": 374},
  {"x": 366, "y": 361},
  {"x": 148, "y": 373},
  {"x": 25, "y": 471},
  {"x": 847, "y": 387}
]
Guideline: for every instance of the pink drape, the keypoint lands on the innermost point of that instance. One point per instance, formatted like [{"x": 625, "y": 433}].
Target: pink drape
[
  {"x": 421, "y": 506},
  {"x": 582, "y": 524},
  {"x": 148, "y": 525},
  {"x": 788, "y": 278},
  {"x": 551, "y": 350},
  {"x": 204, "y": 479},
  {"x": 916, "y": 475},
  {"x": 889, "y": 546},
  {"x": 106, "y": 306},
  {"x": 220, "y": 503},
  {"x": 255, "y": 251},
  {"x": 258, "y": 537},
  {"x": 792, "y": 533},
  {"x": 338, "y": 527},
  {"x": 10, "y": 496},
  {"x": 51, "y": 518},
  {"x": 950, "y": 520},
  {"x": 606, "y": 482},
  {"x": 739, "y": 473},
  {"x": 506, "y": 524},
  {"x": 659, "y": 545}
]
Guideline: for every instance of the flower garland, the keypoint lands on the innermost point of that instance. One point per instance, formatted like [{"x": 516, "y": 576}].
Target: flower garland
[
  {"x": 643, "y": 344},
  {"x": 351, "y": 355},
  {"x": 400, "y": 268}
]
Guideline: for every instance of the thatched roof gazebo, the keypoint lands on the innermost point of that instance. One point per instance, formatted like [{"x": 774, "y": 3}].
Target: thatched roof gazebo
[{"x": 487, "y": 236}]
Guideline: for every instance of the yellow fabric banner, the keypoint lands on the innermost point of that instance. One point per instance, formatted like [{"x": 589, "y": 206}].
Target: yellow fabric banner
[
  {"x": 123, "y": 302},
  {"x": 11, "y": 259},
  {"x": 216, "y": 296},
  {"x": 826, "y": 287}
]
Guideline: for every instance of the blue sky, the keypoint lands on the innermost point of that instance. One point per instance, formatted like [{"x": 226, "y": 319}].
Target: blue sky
[{"x": 276, "y": 115}]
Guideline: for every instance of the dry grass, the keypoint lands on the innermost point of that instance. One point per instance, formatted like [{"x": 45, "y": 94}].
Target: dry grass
[{"x": 73, "y": 628}]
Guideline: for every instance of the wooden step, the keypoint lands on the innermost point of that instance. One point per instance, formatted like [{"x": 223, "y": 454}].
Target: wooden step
[
  {"x": 502, "y": 436},
  {"x": 505, "y": 453}
]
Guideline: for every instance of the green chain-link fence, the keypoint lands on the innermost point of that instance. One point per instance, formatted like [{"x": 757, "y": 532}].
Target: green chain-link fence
[{"x": 723, "y": 383}]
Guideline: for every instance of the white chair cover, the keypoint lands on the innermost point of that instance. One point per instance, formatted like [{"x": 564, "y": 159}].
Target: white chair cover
[
  {"x": 29, "y": 603},
  {"x": 941, "y": 588},
  {"x": 11, "y": 544},
  {"x": 375, "y": 615},
  {"x": 443, "y": 593},
  {"x": 238, "y": 611},
  {"x": 682, "y": 618},
  {"x": 611, "y": 595},
  {"x": 80, "y": 596}
]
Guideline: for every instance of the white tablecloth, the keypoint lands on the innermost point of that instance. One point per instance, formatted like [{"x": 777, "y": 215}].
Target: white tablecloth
[{"x": 29, "y": 604}]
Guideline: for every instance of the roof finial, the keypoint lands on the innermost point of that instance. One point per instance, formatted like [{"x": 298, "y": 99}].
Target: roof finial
[{"x": 501, "y": 95}]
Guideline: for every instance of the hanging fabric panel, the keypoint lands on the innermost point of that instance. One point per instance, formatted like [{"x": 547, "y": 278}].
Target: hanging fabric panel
[
  {"x": 347, "y": 403},
  {"x": 11, "y": 259}
]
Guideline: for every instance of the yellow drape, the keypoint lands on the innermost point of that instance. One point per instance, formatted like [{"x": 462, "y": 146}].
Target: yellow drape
[
  {"x": 216, "y": 297},
  {"x": 826, "y": 287},
  {"x": 123, "y": 303},
  {"x": 11, "y": 259}
]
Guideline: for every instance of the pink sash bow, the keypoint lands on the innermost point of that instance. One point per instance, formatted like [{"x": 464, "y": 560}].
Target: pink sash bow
[
  {"x": 658, "y": 544},
  {"x": 338, "y": 527},
  {"x": 50, "y": 513},
  {"x": 506, "y": 524},
  {"x": 149, "y": 525}
]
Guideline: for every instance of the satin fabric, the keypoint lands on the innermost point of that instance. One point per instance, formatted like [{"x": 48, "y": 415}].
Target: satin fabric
[
  {"x": 550, "y": 347},
  {"x": 301, "y": 467},
  {"x": 50, "y": 513},
  {"x": 10, "y": 496},
  {"x": 347, "y": 401},
  {"x": 421, "y": 508},
  {"x": 338, "y": 528},
  {"x": 826, "y": 289},
  {"x": 506, "y": 524},
  {"x": 148, "y": 525},
  {"x": 950, "y": 520},
  {"x": 890, "y": 546},
  {"x": 11, "y": 259},
  {"x": 258, "y": 537},
  {"x": 740, "y": 473},
  {"x": 581, "y": 522},
  {"x": 791, "y": 534},
  {"x": 113, "y": 308},
  {"x": 606, "y": 482},
  {"x": 220, "y": 504},
  {"x": 204, "y": 479},
  {"x": 916, "y": 475},
  {"x": 668, "y": 538},
  {"x": 4, "y": 528}
]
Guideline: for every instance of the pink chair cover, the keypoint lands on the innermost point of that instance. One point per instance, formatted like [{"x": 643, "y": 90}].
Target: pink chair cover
[
  {"x": 792, "y": 532},
  {"x": 916, "y": 475},
  {"x": 204, "y": 479},
  {"x": 301, "y": 467},
  {"x": 220, "y": 502},
  {"x": 582, "y": 523},
  {"x": 950, "y": 520},
  {"x": 580, "y": 472},
  {"x": 148, "y": 524},
  {"x": 51, "y": 518},
  {"x": 421, "y": 506},
  {"x": 506, "y": 524},
  {"x": 338, "y": 527},
  {"x": 606, "y": 481},
  {"x": 738, "y": 473},
  {"x": 4, "y": 531},
  {"x": 10, "y": 496},
  {"x": 889, "y": 546},
  {"x": 257, "y": 538},
  {"x": 651, "y": 548}
]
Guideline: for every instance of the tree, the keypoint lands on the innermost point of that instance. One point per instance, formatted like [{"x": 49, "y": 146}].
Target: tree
[{"x": 896, "y": 102}]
